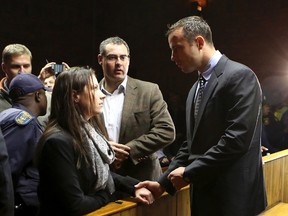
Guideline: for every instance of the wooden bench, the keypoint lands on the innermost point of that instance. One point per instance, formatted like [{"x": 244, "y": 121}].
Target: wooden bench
[
  {"x": 177, "y": 205},
  {"x": 281, "y": 209},
  {"x": 275, "y": 168}
]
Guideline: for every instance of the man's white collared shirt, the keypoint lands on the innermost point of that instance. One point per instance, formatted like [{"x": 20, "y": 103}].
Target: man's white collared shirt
[{"x": 112, "y": 110}]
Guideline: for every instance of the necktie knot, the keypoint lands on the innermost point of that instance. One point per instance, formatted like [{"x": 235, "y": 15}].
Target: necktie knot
[{"x": 202, "y": 81}]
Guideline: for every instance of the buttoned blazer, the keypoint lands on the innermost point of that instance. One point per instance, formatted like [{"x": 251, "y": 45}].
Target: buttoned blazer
[
  {"x": 222, "y": 153},
  {"x": 146, "y": 126}
]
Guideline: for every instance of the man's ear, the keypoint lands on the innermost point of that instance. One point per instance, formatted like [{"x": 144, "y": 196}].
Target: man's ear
[
  {"x": 200, "y": 41},
  {"x": 3, "y": 66},
  {"x": 37, "y": 96},
  {"x": 100, "y": 58}
]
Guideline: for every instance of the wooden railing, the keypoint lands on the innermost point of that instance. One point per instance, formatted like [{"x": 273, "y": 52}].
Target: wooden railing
[
  {"x": 166, "y": 205},
  {"x": 276, "y": 177},
  {"x": 276, "y": 181}
]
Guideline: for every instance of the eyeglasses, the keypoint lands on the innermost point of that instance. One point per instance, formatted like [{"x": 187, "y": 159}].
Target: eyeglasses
[{"x": 113, "y": 57}]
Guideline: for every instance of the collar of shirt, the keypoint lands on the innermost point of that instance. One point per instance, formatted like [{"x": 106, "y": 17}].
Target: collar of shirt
[
  {"x": 121, "y": 88},
  {"x": 22, "y": 107},
  {"x": 211, "y": 64},
  {"x": 3, "y": 85}
]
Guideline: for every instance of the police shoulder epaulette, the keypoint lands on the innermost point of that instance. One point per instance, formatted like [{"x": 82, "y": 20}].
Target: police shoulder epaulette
[{"x": 23, "y": 118}]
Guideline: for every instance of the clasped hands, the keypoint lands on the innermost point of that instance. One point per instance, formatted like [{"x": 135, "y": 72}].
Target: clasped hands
[{"x": 176, "y": 178}]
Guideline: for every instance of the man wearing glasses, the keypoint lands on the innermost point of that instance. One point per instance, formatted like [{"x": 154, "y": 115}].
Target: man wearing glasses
[{"x": 135, "y": 114}]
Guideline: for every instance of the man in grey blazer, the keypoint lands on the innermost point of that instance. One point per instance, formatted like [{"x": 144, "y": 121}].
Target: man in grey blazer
[
  {"x": 135, "y": 115},
  {"x": 221, "y": 158}
]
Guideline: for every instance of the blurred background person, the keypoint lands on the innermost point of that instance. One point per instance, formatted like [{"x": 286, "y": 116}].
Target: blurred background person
[{"x": 15, "y": 58}]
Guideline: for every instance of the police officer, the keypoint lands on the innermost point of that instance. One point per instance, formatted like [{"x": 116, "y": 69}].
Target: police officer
[{"x": 21, "y": 131}]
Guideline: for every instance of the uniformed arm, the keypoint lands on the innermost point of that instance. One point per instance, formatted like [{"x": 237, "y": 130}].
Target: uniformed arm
[{"x": 21, "y": 146}]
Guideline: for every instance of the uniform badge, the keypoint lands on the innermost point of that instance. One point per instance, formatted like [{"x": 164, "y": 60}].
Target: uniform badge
[{"x": 23, "y": 118}]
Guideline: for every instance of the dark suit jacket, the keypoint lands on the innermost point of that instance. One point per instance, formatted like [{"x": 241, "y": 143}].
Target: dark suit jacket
[
  {"x": 146, "y": 126},
  {"x": 6, "y": 188},
  {"x": 222, "y": 154}
]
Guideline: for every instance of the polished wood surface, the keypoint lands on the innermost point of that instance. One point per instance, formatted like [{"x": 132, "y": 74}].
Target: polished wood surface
[
  {"x": 276, "y": 177},
  {"x": 167, "y": 205},
  {"x": 281, "y": 209},
  {"x": 275, "y": 168}
]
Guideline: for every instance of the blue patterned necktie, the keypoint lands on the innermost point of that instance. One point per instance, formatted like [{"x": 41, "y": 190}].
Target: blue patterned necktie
[{"x": 202, "y": 82}]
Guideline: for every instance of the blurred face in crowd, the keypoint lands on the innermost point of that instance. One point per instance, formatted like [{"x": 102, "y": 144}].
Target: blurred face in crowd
[
  {"x": 49, "y": 82},
  {"x": 266, "y": 109},
  {"x": 90, "y": 100},
  {"x": 115, "y": 62},
  {"x": 19, "y": 63}
]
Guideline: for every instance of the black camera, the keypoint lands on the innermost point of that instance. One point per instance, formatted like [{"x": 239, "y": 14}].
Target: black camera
[{"x": 57, "y": 68}]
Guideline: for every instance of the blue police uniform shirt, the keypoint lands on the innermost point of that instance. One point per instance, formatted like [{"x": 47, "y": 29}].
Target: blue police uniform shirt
[{"x": 21, "y": 131}]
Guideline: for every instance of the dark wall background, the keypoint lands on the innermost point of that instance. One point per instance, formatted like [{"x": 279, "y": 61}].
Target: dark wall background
[{"x": 254, "y": 32}]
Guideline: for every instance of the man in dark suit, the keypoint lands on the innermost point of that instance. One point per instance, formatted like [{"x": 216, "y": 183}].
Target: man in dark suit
[
  {"x": 136, "y": 116},
  {"x": 221, "y": 158}
]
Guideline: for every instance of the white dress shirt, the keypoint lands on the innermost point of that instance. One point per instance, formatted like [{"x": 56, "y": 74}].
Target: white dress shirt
[{"x": 112, "y": 110}]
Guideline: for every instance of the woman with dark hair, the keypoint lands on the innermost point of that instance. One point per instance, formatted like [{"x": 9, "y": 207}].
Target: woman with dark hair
[{"x": 73, "y": 155}]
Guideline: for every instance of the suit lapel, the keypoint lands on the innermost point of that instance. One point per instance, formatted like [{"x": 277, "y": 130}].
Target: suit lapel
[
  {"x": 211, "y": 85},
  {"x": 190, "y": 111},
  {"x": 129, "y": 103}
]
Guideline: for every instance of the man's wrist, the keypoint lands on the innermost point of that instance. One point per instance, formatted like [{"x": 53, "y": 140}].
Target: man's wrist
[{"x": 186, "y": 179}]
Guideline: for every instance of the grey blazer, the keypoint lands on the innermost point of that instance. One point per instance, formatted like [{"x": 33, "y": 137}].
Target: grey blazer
[{"x": 146, "y": 126}]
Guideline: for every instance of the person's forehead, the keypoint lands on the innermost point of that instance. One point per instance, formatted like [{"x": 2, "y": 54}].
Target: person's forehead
[
  {"x": 20, "y": 58},
  {"x": 93, "y": 79},
  {"x": 177, "y": 41},
  {"x": 116, "y": 48},
  {"x": 177, "y": 34}
]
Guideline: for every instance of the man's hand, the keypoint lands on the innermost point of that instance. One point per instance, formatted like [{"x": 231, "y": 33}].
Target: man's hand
[
  {"x": 156, "y": 189},
  {"x": 46, "y": 71},
  {"x": 66, "y": 66},
  {"x": 263, "y": 149},
  {"x": 144, "y": 195},
  {"x": 176, "y": 178},
  {"x": 121, "y": 151}
]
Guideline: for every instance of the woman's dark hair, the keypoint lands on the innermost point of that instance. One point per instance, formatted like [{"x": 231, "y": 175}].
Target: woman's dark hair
[{"x": 65, "y": 113}]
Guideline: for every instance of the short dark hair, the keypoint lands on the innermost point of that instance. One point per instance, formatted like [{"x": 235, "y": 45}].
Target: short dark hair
[
  {"x": 192, "y": 27},
  {"x": 14, "y": 50},
  {"x": 112, "y": 40}
]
